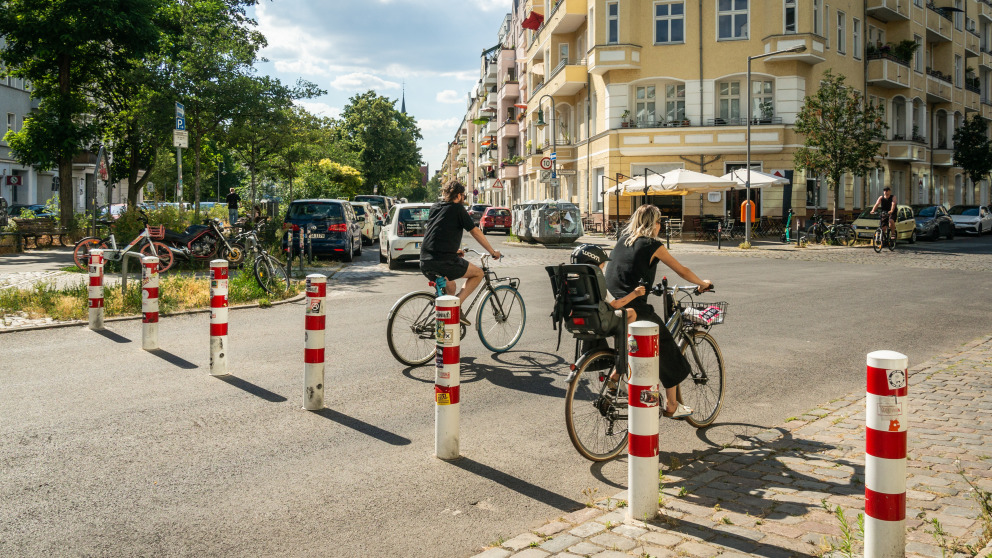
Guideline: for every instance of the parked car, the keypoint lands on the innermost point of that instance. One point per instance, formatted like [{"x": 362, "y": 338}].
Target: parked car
[
  {"x": 866, "y": 223},
  {"x": 38, "y": 209},
  {"x": 338, "y": 230},
  {"x": 370, "y": 223},
  {"x": 113, "y": 211},
  {"x": 496, "y": 219},
  {"x": 402, "y": 233},
  {"x": 971, "y": 218},
  {"x": 475, "y": 211},
  {"x": 933, "y": 222},
  {"x": 385, "y": 203}
]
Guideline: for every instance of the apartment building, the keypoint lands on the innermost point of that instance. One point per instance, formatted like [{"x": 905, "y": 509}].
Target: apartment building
[
  {"x": 629, "y": 87},
  {"x": 19, "y": 184}
]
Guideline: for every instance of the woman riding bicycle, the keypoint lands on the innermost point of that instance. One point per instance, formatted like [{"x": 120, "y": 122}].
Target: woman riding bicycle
[{"x": 632, "y": 264}]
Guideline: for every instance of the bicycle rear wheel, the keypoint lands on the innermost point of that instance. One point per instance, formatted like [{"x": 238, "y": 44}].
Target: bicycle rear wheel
[
  {"x": 271, "y": 275},
  {"x": 410, "y": 331},
  {"x": 81, "y": 253},
  {"x": 848, "y": 235},
  {"x": 703, "y": 390},
  {"x": 501, "y": 319},
  {"x": 595, "y": 418}
]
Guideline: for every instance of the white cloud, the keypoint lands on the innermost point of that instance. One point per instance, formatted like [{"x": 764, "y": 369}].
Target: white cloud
[
  {"x": 451, "y": 96},
  {"x": 439, "y": 124},
  {"x": 319, "y": 109},
  {"x": 359, "y": 80}
]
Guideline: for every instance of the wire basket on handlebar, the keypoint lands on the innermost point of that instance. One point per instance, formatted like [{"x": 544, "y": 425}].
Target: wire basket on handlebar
[{"x": 704, "y": 313}]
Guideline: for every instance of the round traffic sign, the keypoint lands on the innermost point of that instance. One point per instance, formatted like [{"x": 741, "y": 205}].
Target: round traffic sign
[{"x": 546, "y": 163}]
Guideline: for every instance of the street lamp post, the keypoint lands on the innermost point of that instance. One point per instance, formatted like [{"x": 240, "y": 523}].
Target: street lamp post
[
  {"x": 617, "y": 182},
  {"x": 747, "y": 184},
  {"x": 220, "y": 165},
  {"x": 554, "y": 140}
]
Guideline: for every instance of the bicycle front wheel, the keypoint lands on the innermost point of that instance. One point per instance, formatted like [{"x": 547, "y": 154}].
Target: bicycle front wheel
[
  {"x": 271, "y": 275},
  {"x": 81, "y": 253},
  {"x": 876, "y": 241},
  {"x": 595, "y": 416},
  {"x": 501, "y": 319},
  {"x": 702, "y": 391},
  {"x": 892, "y": 240},
  {"x": 410, "y": 331}
]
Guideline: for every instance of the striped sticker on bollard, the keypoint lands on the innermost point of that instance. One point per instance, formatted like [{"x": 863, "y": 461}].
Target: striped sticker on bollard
[
  {"x": 95, "y": 289},
  {"x": 149, "y": 303},
  {"x": 218, "y": 317},
  {"x": 643, "y": 397},
  {"x": 314, "y": 326},
  {"x": 447, "y": 380}
]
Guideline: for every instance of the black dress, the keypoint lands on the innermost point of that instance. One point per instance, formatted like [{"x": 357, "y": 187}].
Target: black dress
[{"x": 628, "y": 266}]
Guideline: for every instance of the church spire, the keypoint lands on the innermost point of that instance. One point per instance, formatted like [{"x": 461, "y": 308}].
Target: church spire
[{"x": 403, "y": 102}]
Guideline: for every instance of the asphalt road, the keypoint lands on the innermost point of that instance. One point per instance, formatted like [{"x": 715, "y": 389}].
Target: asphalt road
[{"x": 110, "y": 450}]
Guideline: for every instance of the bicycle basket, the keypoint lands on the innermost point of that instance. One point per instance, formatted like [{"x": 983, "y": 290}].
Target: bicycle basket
[
  {"x": 704, "y": 313},
  {"x": 156, "y": 233}
]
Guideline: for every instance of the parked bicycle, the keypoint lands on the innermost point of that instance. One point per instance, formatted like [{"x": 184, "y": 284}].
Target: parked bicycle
[
  {"x": 270, "y": 273},
  {"x": 836, "y": 232},
  {"x": 884, "y": 236},
  {"x": 410, "y": 329},
  {"x": 147, "y": 243},
  {"x": 596, "y": 416}
]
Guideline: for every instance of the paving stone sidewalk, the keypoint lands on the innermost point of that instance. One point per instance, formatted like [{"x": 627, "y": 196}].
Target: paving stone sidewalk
[{"x": 768, "y": 492}]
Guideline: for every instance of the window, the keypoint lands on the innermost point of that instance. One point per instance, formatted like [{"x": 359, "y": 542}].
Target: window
[
  {"x": 826, "y": 24},
  {"x": 817, "y": 17},
  {"x": 856, "y": 38},
  {"x": 612, "y": 23},
  {"x": 841, "y": 32},
  {"x": 11, "y": 120},
  {"x": 730, "y": 100},
  {"x": 563, "y": 53},
  {"x": 918, "y": 3},
  {"x": 959, "y": 14},
  {"x": 812, "y": 192},
  {"x": 958, "y": 75},
  {"x": 669, "y": 22},
  {"x": 918, "y": 55},
  {"x": 644, "y": 99},
  {"x": 789, "y": 17},
  {"x": 762, "y": 100},
  {"x": 732, "y": 19},
  {"x": 675, "y": 103},
  {"x": 876, "y": 36}
]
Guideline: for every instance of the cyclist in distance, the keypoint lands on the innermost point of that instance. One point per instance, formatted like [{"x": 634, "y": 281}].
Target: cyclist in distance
[
  {"x": 440, "y": 251},
  {"x": 634, "y": 262},
  {"x": 886, "y": 203}
]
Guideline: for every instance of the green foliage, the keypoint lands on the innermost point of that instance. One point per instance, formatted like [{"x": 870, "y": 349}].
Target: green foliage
[
  {"x": 384, "y": 138},
  {"x": 328, "y": 179},
  {"x": 843, "y": 132},
  {"x": 972, "y": 148}
]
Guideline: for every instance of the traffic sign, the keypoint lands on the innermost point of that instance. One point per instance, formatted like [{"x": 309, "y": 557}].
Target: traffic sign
[
  {"x": 565, "y": 172},
  {"x": 554, "y": 156},
  {"x": 498, "y": 185},
  {"x": 555, "y": 182},
  {"x": 545, "y": 176},
  {"x": 180, "y": 138},
  {"x": 180, "y": 123},
  {"x": 546, "y": 163},
  {"x": 180, "y": 111}
]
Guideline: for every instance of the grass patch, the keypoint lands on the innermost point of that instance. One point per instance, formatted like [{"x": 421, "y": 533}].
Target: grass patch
[{"x": 176, "y": 293}]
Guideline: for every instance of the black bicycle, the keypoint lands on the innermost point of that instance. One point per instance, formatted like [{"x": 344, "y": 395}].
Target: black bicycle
[
  {"x": 596, "y": 402},
  {"x": 884, "y": 235}
]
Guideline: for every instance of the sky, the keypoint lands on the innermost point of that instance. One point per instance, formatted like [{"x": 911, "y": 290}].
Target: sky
[{"x": 347, "y": 47}]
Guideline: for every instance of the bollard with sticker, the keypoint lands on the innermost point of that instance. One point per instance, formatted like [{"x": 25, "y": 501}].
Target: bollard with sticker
[
  {"x": 885, "y": 459},
  {"x": 149, "y": 303},
  {"x": 643, "y": 398},
  {"x": 96, "y": 289},
  {"x": 218, "y": 318},
  {"x": 313, "y": 342},
  {"x": 446, "y": 377}
]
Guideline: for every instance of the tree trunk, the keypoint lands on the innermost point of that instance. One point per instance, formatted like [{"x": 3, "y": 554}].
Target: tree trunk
[
  {"x": 66, "y": 212},
  {"x": 251, "y": 208},
  {"x": 196, "y": 181}
]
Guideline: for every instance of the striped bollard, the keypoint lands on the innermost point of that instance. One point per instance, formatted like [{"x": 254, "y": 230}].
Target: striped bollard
[
  {"x": 149, "y": 303},
  {"x": 642, "y": 438},
  {"x": 96, "y": 289},
  {"x": 446, "y": 377},
  {"x": 218, "y": 317},
  {"x": 313, "y": 343},
  {"x": 885, "y": 462}
]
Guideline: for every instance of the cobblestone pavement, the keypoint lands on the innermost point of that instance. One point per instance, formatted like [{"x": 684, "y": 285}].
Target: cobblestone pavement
[{"x": 767, "y": 493}]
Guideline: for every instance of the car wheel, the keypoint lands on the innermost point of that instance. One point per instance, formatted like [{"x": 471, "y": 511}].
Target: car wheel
[
  {"x": 382, "y": 257},
  {"x": 978, "y": 229},
  {"x": 912, "y": 237},
  {"x": 361, "y": 241},
  {"x": 950, "y": 233},
  {"x": 393, "y": 264},
  {"x": 485, "y": 231},
  {"x": 349, "y": 254}
]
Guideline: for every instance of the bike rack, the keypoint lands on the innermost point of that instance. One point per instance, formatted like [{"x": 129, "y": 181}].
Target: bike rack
[{"x": 124, "y": 258}]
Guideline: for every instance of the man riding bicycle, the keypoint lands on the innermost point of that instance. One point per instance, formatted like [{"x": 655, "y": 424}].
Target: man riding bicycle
[
  {"x": 886, "y": 202},
  {"x": 440, "y": 252}
]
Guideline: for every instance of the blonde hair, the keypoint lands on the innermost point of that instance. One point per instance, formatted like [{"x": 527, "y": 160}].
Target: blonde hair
[{"x": 641, "y": 223}]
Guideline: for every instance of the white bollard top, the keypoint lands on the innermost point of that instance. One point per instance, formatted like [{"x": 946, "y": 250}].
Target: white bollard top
[
  {"x": 218, "y": 263},
  {"x": 446, "y": 301},
  {"x": 149, "y": 259},
  {"x": 316, "y": 278},
  {"x": 888, "y": 360},
  {"x": 643, "y": 327}
]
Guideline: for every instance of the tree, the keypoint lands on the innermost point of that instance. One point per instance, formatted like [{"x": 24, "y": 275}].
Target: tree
[
  {"x": 301, "y": 132},
  {"x": 328, "y": 179},
  {"x": 843, "y": 133},
  {"x": 972, "y": 148},
  {"x": 385, "y": 139},
  {"x": 59, "y": 46}
]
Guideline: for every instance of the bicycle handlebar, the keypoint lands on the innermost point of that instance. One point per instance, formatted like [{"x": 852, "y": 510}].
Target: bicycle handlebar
[{"x": 660, "y": 289}]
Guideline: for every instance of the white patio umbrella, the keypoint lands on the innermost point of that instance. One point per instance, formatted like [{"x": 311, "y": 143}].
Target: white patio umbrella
[
  {"x": 681, "y": 182},
  {"x": 758, "y": 178}
]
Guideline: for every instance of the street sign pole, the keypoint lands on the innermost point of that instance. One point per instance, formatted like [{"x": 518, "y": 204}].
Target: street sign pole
[{"x": 180, "y": 125}]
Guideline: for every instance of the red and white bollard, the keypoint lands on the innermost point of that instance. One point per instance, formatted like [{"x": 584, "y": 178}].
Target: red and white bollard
[
  {"x": 642, "y": 438},
  {"x": 149, "y": 303},
  {"x": 885, "y": 462},
  {"x": 96, "y": 289},
  {"x": 313, "y": 343},
  {"x": 218, "y": 317},
  {"x": 447, "y": 374}
]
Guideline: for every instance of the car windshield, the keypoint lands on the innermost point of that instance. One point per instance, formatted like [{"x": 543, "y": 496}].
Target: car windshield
[
  {"x": 867, "y": 214},
  {"x": 414, "y": 214},
  {"x": 926, "y": 211},
  {"x": 967, "y": 210},
  {"x": 374, "y": 200},
  {"x": 479, "y": 207},
  {"x": 316, "y": 211},
  {"x": 359, "y": 209}
]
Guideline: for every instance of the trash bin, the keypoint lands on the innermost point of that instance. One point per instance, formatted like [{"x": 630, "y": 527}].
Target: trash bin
[{"x": 556, "y": 222}]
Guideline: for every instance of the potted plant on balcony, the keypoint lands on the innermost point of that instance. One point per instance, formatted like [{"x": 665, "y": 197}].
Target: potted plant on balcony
[
  {"x": 767, "y": 112},
  {"x": 904, "y": 50},
  {"x": 625, "y": 119}
]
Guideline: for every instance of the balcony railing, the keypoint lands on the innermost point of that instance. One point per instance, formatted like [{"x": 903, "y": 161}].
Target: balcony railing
[
  {"x": 879, "y": 55},
  {"x": 940, "y": 11},
  {"x": 686, "y": 123},
  {"x": 940, "y": 75}
]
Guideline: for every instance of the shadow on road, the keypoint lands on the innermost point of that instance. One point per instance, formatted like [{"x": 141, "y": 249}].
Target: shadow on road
[
  {"x": 517, "y": 485},
  {"x": 364, "y": 427},
  {"x": 115, "y": 337},
  {"x": 173, "y": 359},
  {"x": 251, "y": 388}
]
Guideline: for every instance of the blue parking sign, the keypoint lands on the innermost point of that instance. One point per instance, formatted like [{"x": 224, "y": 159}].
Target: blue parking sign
[{"x": 180, "y": 123}]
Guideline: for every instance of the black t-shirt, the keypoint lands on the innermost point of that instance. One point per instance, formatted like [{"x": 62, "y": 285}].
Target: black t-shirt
[
  {"x": 443, "y": 234},
  {"x": 630, "y": 264},
  {"x": 885, "y": 204},
  {"x": 232, "y": 200}
]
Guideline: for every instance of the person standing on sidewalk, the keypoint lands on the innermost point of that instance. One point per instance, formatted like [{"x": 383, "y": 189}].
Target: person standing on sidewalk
[
  {"x": 441, "y": 253},
  {"x": 635, "y": 260},
  {"x": 232, "y": 206}
]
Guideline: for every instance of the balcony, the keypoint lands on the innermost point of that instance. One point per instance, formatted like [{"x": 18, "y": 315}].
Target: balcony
[
  {"x": 972, "y": 44},
  {"x": 885, "y": 70},
  {"x": 604, "y": 58},
  {"x": 939, "y": 87},
  {"x": 566, "y": 79},
  {"x": 708, "y": 140},
  {"x": 492, "y": 99},
  {"x": 985, "y": 10},
  {"x": 889, "y": 10},
  {"x": 943, "y": 157},
  {"x": 814, "y": 53},
  {"x": 566, "y": 17},
  {"x": 972, "y": 95},
  {"x": 509, "y": 130},
  {"x": 940, "y": 25},
  {"x": 985, "y": 60},
  {"x": 507, "y": 172},
  {"x": 489, "y": 75},
  {"x": 902, "y": 150},
  {"x": 509, "y": 91},
  {"x": 986, "y": 107}
]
